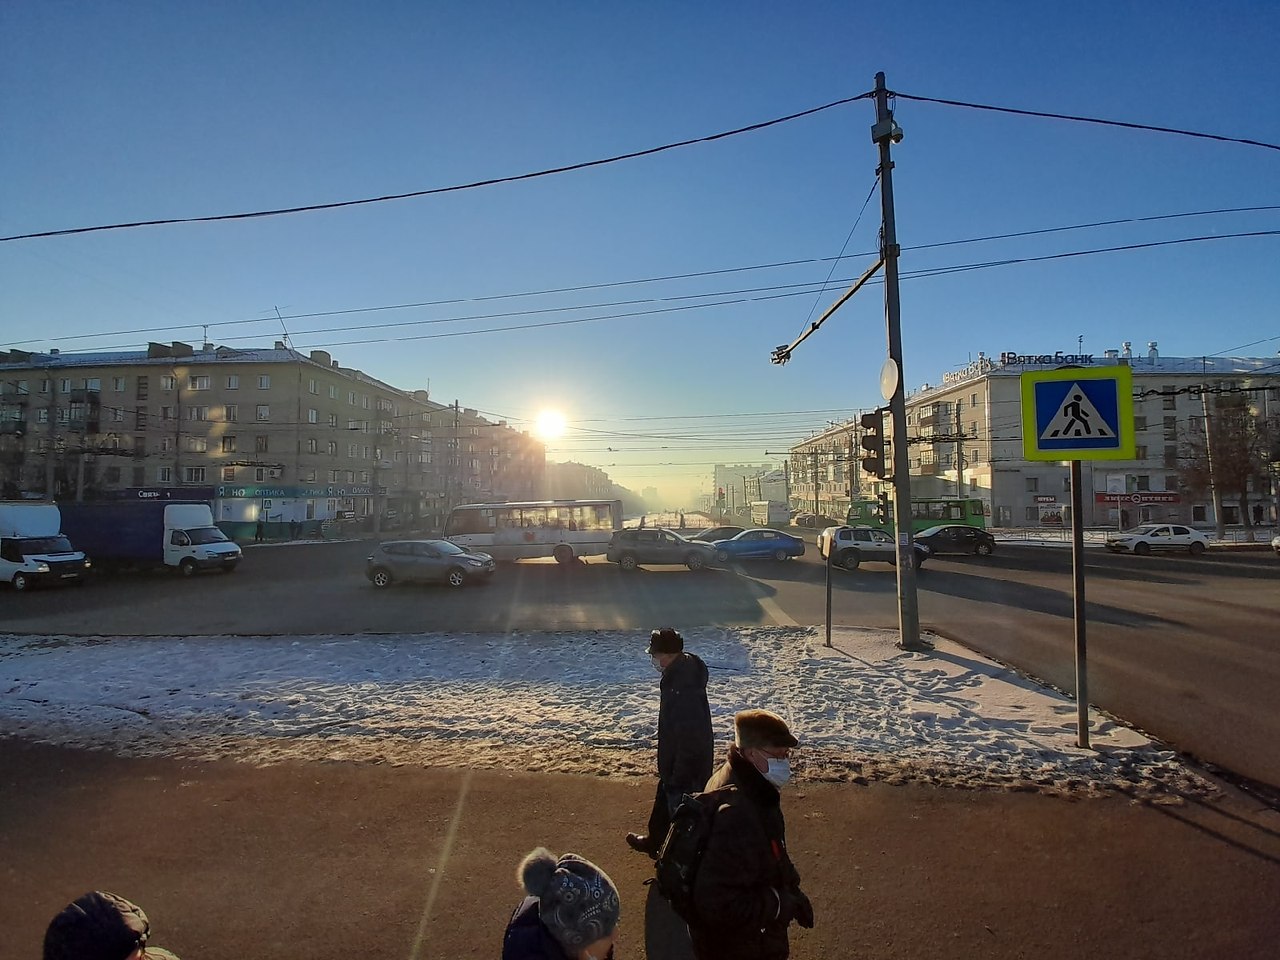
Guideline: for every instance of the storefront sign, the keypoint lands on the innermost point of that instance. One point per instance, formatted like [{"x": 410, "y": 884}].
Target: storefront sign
[
  {"x": 302, "y": 492},
  {"x": 1044, "y": 499},
  {"x": 974, "y": 369},
  {"x": 1009, "y": 359},
  {"x": 1146, "y": 497}
]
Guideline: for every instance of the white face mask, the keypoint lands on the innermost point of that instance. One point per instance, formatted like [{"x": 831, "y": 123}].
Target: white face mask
[
  {"x": 657, "y": 664},
  {"x": 779, "y": 772}
]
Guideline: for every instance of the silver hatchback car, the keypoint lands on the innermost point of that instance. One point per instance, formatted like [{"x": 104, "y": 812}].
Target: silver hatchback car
[{"x": 425, "y": 561}]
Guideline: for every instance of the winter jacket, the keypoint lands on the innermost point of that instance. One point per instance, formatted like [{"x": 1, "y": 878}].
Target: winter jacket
[
  {"x": 527, "y": 939},
  {"x": 743, "y": 893},
  {"x": 686, "y": 748}
]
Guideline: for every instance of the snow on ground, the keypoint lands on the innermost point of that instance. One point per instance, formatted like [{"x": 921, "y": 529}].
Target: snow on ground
[{"x": 569, "y": 702}]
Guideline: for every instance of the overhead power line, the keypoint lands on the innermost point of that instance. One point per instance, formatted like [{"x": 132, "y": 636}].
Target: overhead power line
[
  {"x": 533, "y": 175},
  {"x": 1097, "y": 120}
]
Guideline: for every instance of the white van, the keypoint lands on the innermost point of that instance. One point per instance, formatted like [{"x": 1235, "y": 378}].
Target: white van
[{"x": 33, "y": 550}]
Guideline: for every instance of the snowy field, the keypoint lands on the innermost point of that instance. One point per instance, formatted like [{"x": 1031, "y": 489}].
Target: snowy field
[{"x": 569, "y": 702}]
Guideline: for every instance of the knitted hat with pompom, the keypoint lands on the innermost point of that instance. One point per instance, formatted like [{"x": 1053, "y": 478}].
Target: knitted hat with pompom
[{"x": 577, "y": 901}]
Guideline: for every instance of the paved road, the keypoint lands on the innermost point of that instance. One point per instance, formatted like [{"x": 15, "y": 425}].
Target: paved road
[{"x": 1187, "y": 649}]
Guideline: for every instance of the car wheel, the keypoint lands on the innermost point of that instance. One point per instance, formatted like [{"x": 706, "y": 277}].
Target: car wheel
[
  {"x": 20, "y": 582},
  {"x": 563, "y": 554},
  {"x": 983, "y": 550},
  {"x": 628, "y": 562},
  {"x": 187, "y": 567},
  {"x": 1196, "y": 548},
  {"x": 694, "y": 561},
  {"x": 849, "y": 559},
  {"x": 917, "y": 560},
  {"x": 780, "y": 555},
  {"x": 381, "y": 578},
  {"x": 456, "y": 578},
  {"x": 1141, "y": 549},
  {"x": 722, "y": 556}
]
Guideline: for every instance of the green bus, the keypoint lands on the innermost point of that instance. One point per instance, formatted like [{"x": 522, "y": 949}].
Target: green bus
[{"x": 924, "y": 513}]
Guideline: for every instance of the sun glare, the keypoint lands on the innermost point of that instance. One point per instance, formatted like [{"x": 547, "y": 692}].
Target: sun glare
[{"x": 550, "y": 425}]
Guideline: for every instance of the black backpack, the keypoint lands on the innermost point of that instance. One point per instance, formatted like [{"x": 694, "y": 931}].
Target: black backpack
[{"x": 676, "y": 866}]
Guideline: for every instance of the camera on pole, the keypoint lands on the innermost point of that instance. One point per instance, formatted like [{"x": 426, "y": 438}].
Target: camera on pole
[{"x": 873, "y": 442}]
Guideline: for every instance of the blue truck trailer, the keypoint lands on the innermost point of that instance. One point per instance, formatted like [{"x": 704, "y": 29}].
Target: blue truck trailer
[{"x": 142, "y": 533}]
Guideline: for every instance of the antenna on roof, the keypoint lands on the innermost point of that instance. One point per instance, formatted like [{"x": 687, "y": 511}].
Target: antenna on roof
[{"x": 287, "y": 342}]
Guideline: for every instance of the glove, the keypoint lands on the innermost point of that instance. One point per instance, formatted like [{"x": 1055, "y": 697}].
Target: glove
[{"x": 801, "y": 908}]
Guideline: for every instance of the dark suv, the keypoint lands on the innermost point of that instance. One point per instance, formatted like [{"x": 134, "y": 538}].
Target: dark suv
[{"x": 630, "y": 548}]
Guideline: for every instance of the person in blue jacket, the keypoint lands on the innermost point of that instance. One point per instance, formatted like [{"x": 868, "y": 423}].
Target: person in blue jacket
[{"x": 570, "y": 911}]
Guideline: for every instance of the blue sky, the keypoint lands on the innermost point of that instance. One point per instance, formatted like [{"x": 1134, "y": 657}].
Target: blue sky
[{"x": 118, "y": 112}]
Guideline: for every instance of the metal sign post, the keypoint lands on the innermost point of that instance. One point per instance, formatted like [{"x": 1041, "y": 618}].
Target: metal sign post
[{"x": 1077, "y": 413}]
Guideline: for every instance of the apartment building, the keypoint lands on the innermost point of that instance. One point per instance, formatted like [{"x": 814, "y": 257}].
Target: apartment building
[
  {"x": 577, "y": 481},
  {"x": 965, "y": 441},
  {"x": 270, "y": 434}
]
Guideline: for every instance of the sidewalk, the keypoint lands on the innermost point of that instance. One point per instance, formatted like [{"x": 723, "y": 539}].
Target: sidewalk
[{"x": 327, "y": 861}]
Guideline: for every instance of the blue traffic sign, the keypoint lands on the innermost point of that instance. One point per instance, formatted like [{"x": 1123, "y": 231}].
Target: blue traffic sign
[{"x": 1081, "y": 413}]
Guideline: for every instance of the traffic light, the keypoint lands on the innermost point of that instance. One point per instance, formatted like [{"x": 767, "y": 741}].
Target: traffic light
[
  {"x": 883, "y": 510},
  {"x": 873, "y": 442}
]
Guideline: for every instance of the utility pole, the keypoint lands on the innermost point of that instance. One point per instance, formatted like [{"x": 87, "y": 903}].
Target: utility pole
[
  {"x": 885, "y": 132},
  {"x": 786, "y": 481},
  {"x": 53, "y": 436},
  {"x": 1219, "y": 526},
  {"x": 959, "y": 455},
  {"x": 814, "y": 471}
]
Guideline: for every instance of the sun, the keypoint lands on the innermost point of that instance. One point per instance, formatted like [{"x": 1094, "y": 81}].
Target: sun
[{"x": 550, "y": 425}]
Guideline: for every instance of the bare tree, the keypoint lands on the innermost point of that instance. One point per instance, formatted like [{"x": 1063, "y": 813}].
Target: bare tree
[{"x": 1242, "y": 443}]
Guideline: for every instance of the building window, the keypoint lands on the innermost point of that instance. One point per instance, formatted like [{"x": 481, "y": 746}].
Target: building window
[
  {"x": 364, "y": 476},
  {"x": 64, "y": 385},
  {"x": 1171, "y": 428},
  {"x": 164, "y": 474},
  {"x": 118, "y": 384},
  {"x": 93, "y": 383},
  {"x": 313, "y": 445},
  {"x": 312, "y": 386},
  {"x": 139, "y": 418},
  {"x": 333, "y": 419},
  {"x": 333, "y": 391},
  {"x": 351, "y": 397},
  {"x": 194, "y": 475},
  {"x": 168, "y": 382},
  {"x": 263, "y": 412},
  {"x": 166, "y": 444},
  {"x": 1170, "y": 455},
  {"x": 1198, "y": 514},
  {"x": 351, "y": 476},
  {"x": 313, "y": 416},
  {"x": 139, "y": 450},
  {"x": 233, "y": 381},
  {"x": 197, "y": 383},
  {"x": 228, "y": 474},
  {"x": 1170, "y": 402},
  {"x": 353, "y": 450},
  {"x": 197, "y": 413},
  {"x": 198, "y": 444},
  {"x": 1033, "y": 484},
  {"x": 42, "y": 416},
  {"x": 231, "y": 413},
  {"x": 333, "y": 448},
  {"x": 168, "y": 413},
  {"x": 333, "y": 476},
  {"x": 142, "y": 388},
  {"x": 1171, "y": 482},
  {"x": 117, "y": 414},
  {"x": 1139, "y": 423},
  {"x": 1140, "y": 452},
  {"x": 1144, "y": 482},
  {"x": 260, "y": 444},
  {"x": 309, "y": 476},
  {"x": 259, "y": 474},
  {"x": 229, "y": 444}
]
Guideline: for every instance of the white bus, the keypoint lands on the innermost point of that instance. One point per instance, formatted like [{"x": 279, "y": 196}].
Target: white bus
[
  {"x": 767, "y": 513},
  {"x": 564, "y": 529}
]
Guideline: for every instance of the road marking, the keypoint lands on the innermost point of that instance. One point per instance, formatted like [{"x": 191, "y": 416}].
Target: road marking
[{"x": 770, "y": 606}]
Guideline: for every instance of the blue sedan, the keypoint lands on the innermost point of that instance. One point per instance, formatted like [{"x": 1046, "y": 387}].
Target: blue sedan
[{"x": 759, "y": 544}]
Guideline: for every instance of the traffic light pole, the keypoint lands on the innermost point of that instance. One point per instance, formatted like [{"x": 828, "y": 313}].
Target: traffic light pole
[{"x": 883, "y": 134}]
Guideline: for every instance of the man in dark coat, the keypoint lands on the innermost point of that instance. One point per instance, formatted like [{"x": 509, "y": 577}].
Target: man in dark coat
[
  {"x": 747, "y": 891},
  {"x": 686, "y": 748}
]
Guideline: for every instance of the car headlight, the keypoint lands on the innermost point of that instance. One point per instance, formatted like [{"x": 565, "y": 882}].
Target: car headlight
[
  {"x": 42, "y": 568},
  {"x": 87, "y": 563},
  {"x": 476, "y": 563}
]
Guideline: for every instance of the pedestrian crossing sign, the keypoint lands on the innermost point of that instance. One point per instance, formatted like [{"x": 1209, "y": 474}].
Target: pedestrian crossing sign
[{"x": 1078, "y": 413}]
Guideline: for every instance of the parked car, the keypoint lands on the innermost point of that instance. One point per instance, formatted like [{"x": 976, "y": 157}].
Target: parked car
[
  {"x": 759, "y": 544},
  {"x": 957, "y": 538},
  {"x": 425, "y": 561},
  {"x": 630, "y": 548},
  {"x": 854, "y": 546},
  {"x": 1158, "y": 536},
  {"x": 712, "y": 534},
  {"x": 1275, "y": 545},
  {"x": 817, "y": 520}
]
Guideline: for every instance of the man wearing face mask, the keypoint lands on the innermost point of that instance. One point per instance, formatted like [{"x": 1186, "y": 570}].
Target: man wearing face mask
[
  {"x": 686, "y": 748},
  {"x": 747, "y": 891}
]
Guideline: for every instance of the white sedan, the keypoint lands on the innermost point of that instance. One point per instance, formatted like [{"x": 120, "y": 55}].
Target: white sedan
[{"x": 1158, "y": 536}]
